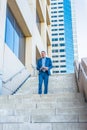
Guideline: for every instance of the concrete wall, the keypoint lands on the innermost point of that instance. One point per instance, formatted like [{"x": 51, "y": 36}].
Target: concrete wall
[
  {"x": 81, "y": 76},
  {"x": 2, "y": 33}
]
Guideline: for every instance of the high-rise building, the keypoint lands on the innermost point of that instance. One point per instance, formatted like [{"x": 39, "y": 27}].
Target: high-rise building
[{"x": 64, "y": 48}]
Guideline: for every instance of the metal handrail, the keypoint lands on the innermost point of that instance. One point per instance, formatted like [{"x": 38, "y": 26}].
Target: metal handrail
[{"x": 21, "y": 84}]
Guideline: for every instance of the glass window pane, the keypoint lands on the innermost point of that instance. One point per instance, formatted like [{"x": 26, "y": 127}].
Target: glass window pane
[
  {"x": 9, "y": 34},
  {"x": 16, "y": 44},
  {"x": 14, "y": 37}
]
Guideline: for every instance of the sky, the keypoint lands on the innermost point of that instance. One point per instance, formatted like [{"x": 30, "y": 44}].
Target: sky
[{"x": 81, "y": 27}]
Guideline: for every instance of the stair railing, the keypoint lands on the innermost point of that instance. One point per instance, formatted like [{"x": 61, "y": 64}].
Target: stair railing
[{"x": 12, "y": 77}]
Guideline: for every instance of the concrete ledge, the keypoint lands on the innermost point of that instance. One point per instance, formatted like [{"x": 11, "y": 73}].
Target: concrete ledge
[{"x": 84, "y": 64}]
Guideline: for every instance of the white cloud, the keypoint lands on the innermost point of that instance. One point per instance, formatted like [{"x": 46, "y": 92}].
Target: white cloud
[{"x": 81, "y": 23}]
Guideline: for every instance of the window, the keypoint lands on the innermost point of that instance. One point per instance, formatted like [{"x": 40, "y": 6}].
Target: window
[
  {"x": 62, "y": 44},
  {"x": 54, "y": 39},
  {"x": 61, "y": 33},
  {"x": 55, "y": 56},
  {"x": 54, "y": 45},
  {"x": 53, "y": 51},
  {"x": 61, "y": 24},
  {"x": 61, "y": 11},
  {"x": 54, "y": 34},
  {"x": 56, "y": 66},
  {"x": 60, "y": 7},
  {"x": 60, "y": 15},
  {"x": 62, "y": 55},
  {"x": 14, "y": 37},
  {"x": 53, "y": 3},
  {"x": 53, "y": 12},
  {"x": 53, "y": 0},
  {"x": 63, "y": 71},
  {"x": 55, "y": 61},
  {"x": 61, "y": 20},
  {"x": 62, "y": 60},
  {"x": 61, "y": 39},
  {"x": 54, "y": 16},
  {"x": 53, "y": 7},
  {"x": 62, "y": 50},
  {"x": 55, "y": 71},
  {"x": 54, "y": 25},
  {"x": 54, "y": 30},
  {"x": 61, "y": 29},
  {"x": 53, "y": 20},
  {"x": 60, "y": 3},
  {"x": 62, "y": 66}
]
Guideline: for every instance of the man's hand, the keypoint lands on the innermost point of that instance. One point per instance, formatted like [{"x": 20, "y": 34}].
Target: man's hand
[{"x": 44, "y": 68}]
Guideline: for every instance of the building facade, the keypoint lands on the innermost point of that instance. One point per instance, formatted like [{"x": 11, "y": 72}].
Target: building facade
[
  {"x": 25, "y": 32},
  {"x": 64, "y": 46}
]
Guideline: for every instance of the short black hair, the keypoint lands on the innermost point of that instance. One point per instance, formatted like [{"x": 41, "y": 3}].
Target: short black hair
[{"x": 43, "y": 51}]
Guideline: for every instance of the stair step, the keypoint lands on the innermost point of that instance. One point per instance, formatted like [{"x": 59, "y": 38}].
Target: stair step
[
  {"x": 29, "y": 104},
  {"x": 69, "y": 126},
  {"x": 26, "y": 126},
  {"x": 59, "y": 95},
  {"x": 76, "y": 111},
  {"x": 59, "y": 118},
  {"x": 52, "y": 111},
  {"x": 44, "y": 126},
  {"x": 44, "y": 119},
  {"x": 14, "y": 119},
  {"x": 25, "y": 110}
]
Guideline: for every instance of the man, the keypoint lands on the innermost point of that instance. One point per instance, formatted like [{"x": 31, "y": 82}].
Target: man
[{"x": 44, "y": 65}]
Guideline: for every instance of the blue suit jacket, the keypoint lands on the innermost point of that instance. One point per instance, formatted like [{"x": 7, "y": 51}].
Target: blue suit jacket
[{"x": 48, "y": 63}]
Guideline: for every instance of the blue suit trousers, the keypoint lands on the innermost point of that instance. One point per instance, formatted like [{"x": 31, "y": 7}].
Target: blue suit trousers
[{"x": 43, "y": 76}]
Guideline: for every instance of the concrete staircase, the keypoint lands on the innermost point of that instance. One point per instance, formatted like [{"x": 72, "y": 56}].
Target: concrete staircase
[
  {"x": 57, "y": 84},
  {"x": 62, "y": 109}
]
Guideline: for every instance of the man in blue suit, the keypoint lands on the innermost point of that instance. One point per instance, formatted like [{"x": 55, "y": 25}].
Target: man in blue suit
[{"x": 44, "y": 65}]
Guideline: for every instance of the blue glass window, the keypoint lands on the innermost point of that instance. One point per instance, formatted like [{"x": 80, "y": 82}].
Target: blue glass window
[
  {"x": 60, "y": 15},
  {"x": 63, "y": 71},
  {"x": 61, "y": 29},
  {"x": 60, "y": 3},
  {"x": 54, "y": 39},
  {"x": 14, "y": 37},
  {"x": 61, "y": 39},
  {"x": 62, "y": 50},
  {"x": 61, "y": 24},
  {"x": 62, "y": 55},
  {"x": 61, "y": 20},
  {"x": 62, "y": 44}
]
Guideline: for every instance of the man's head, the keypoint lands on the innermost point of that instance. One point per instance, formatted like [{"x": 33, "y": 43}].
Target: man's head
[{"x": 43, "y": 54}]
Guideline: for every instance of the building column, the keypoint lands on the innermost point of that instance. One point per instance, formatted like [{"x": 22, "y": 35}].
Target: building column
[
  {"x": 30, "y": 61},
  {"x": 49, "y": 51}
]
